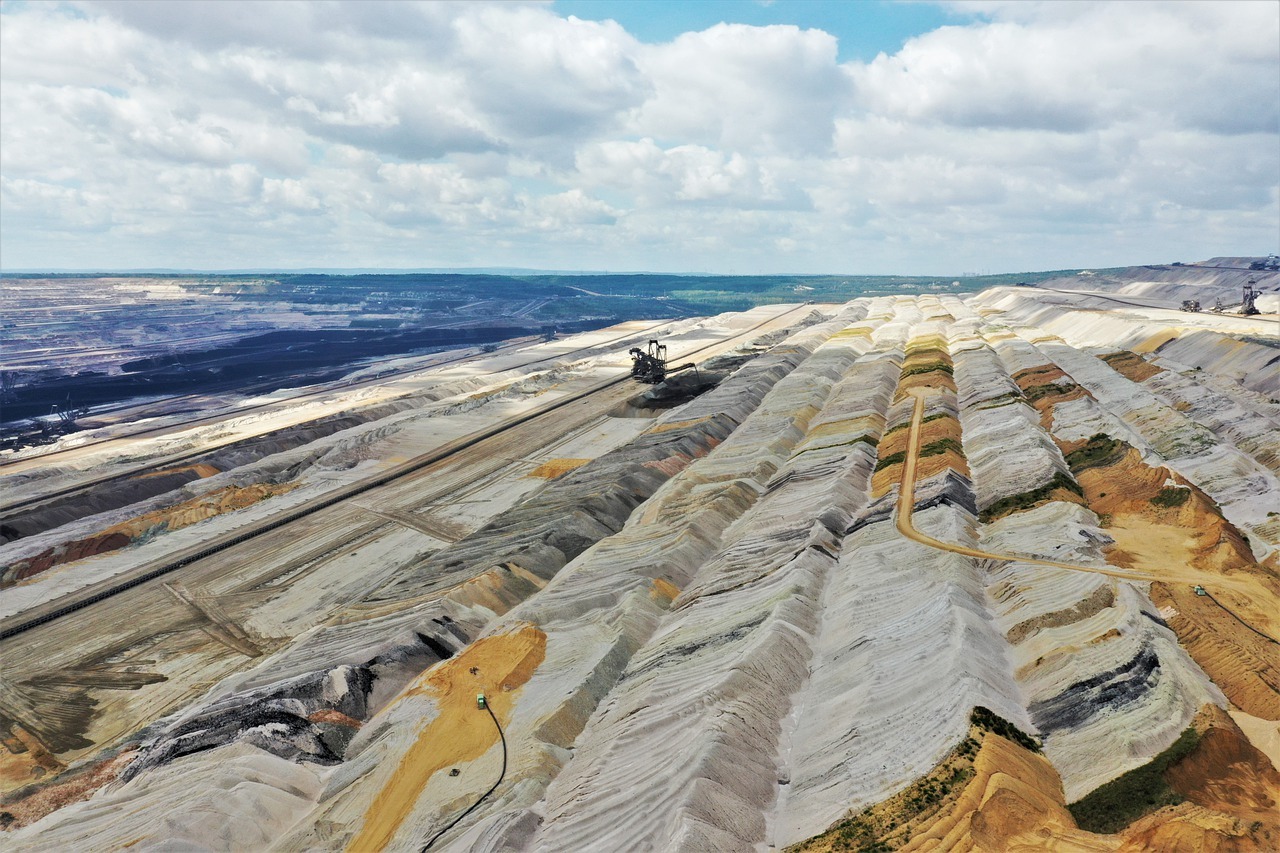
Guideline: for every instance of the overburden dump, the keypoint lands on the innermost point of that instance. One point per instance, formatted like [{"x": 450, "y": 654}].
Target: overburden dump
[{"x": 991, "y": 572}]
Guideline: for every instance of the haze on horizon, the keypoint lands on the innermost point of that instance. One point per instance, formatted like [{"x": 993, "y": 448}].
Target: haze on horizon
[{"x": 719, "y": 137}]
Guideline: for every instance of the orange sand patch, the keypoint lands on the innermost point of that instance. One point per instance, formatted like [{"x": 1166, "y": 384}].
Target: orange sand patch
[
  {"x": 677, "y": 462},
  {"x": 663, "y": 590},
  {"x": 73, "y": 788},
  {"x": 1157, "y": 340},
  {"x": 553, "y": 468},
  {"x": 677, "y": 424},
  {"x": 1228, "y": 774},
  {"x": 460, "y": 732},
  {"x": 1192, "y": 828},
  {"x": 202, "y": 470},
  {"x": 1131, "y": 365},
  {"x": 499, "y": 589},
  {"x": 937, "y": 430},
  {"x": 883, "y": 480},
  {"x": 1233, "y": 795},
  {"x": 24, "y": 759},
  {"x": 670, "y": 465},
  {"x": 932, "y": 466},
  {"x": 120, "y": 535},
  {"x": 1007, "y": 798},
  {"x": 328, "y": 715},
  {"x": 1012, "y": 801},
  {"x": 934, "y": 379},
  {"x": 896, "y": 441},
  {"x": 1041, "y": 375},
  {"x": 1040, "y": 378},
  {"x": 1157, "y": 540},
  {"x": 1244, "y": 665}
]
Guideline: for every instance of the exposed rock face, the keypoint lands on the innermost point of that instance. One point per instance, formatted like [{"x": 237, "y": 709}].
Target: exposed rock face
[{"x": 765, "y": 616}]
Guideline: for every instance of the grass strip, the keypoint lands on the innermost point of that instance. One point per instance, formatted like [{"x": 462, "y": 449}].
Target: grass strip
[
  {"x": 930, "y": 367},
  {"x": 942, "y": 445},
  {"x": 1026, "y": 500},
  {"x": 1099, "y": 451},
  {"x": 1052, "y": 389},
  {"x": 1171, "y": 497},
  {"x": 1137, "y": 793},
  {"x": 891, "y": 459}
]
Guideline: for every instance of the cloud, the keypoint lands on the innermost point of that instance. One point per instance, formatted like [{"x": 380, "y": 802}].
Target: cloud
[
  {"x": 768, "y": 89},
  {"x": 418, "y": 134},
  {"x": 688, "y": 174},
  {"x": 1078, "y": 66}
]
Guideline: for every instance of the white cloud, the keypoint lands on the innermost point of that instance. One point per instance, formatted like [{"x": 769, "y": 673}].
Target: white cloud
[
  {"x": 688, "y": 174},
  {"x": 417, "y": 134},
  {"x": 1210, "y": 66},
  {"x": 770, "y": 89}
]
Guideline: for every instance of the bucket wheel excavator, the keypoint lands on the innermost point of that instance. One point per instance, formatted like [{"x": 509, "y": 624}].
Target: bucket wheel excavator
[{"x": 650, "y": 365}]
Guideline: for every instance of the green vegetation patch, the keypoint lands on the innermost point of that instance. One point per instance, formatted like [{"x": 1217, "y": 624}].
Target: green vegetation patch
[
  {"x": 867, "y": 439},
  {"x": 988, "y": 720},
  {"x": 880, "y": 829},
  {"x": 1027, "y": 500},
  {"x": 942, "y": 445},
  {"x": 1002, "y": 400},
  {"x": 1137, "y": 793},
  {"x": 928, "y": 367},
  {"x": 1171, "y": 497},
  {"x": 1099, "y": 451},
  {"x": 1051, "y": 389},
  {"x": 1034, "y": 371},
  {"x": 890, "y": 824},
  {"x": 891, "y": 459},
  {"x": 923, "y": 420}
]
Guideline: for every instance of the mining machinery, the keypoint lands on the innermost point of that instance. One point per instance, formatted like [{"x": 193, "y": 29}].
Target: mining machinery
[
  {"x": 650, "y": 365},
  {"x": 67, "y": 413},
  {"x": 1251, "y": 293},
  {"x": 1192, "y": 305}
]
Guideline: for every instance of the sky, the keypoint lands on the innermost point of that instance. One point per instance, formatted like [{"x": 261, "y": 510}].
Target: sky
[{"x": 726, "y": 137}]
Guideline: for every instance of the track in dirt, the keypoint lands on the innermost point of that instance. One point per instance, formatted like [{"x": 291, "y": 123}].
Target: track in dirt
[
  {"x": 906, "y": 506},
  {"x": 1095, "y": 295},
  {"x": 93, "y": 594},
  {"x": 53, "y": 455},
  {"x": 178, "y": 459}
]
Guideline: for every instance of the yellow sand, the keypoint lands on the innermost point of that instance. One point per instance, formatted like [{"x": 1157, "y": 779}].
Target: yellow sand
[
  {"x": 460, "y": 732},
  {"x": 553, "y": 468}
]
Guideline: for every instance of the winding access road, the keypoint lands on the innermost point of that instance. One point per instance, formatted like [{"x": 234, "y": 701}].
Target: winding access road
[
  {"x": 906, "y": 506},
  {"x": 907, "y": 502}
]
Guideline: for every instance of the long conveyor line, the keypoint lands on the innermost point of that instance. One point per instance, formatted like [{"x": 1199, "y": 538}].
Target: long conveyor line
[{"x": 113, "y": 587}]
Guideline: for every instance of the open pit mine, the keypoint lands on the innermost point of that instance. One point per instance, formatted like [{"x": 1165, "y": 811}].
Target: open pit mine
[{"x": 996, "y": 572}]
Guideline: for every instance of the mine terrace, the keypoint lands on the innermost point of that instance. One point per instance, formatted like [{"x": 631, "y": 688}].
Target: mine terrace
[{"x": 336, "y": 563}]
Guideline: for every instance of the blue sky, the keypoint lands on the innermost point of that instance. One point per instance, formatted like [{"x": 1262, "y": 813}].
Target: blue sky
[
  {"x": 864, "y": 27},
  {"x": 871, "y": 137}
]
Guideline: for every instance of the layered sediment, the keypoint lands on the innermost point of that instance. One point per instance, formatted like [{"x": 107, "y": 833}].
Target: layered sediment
[{"x": 917, "y": 572}]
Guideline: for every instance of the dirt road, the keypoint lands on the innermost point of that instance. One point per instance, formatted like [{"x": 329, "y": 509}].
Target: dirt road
[{"x": 906, "y": 505}]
